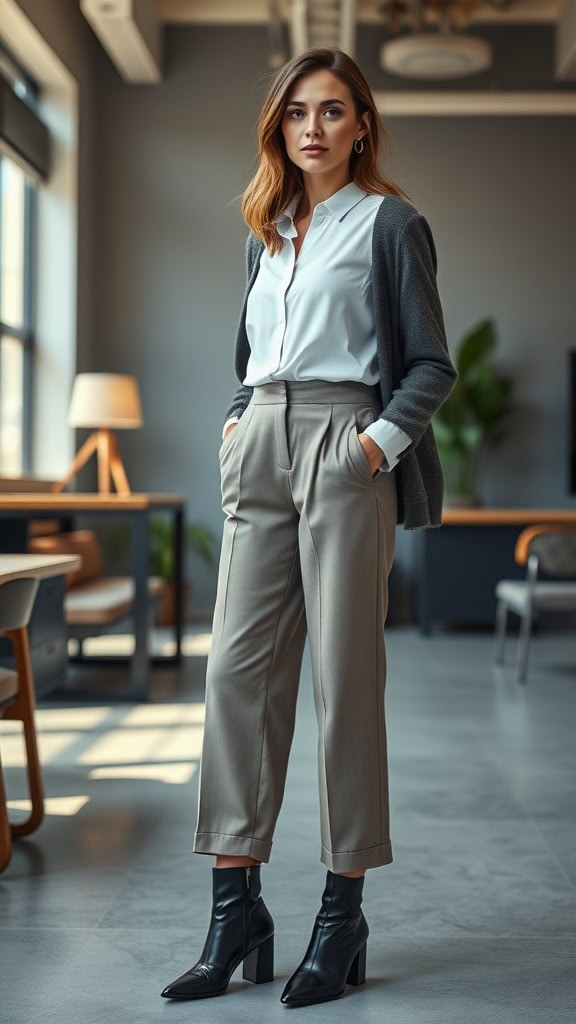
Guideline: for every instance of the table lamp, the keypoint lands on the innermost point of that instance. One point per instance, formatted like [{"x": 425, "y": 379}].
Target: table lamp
[{"x": 103, "y": 401}]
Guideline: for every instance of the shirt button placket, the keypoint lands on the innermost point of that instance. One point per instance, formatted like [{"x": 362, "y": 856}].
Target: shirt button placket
[{"x": 287, "y": 283}]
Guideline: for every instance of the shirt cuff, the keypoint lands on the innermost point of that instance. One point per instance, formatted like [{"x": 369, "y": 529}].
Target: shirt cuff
[
  {"x": 390, "y": 439},
  {"x": 232, "y": 419}
]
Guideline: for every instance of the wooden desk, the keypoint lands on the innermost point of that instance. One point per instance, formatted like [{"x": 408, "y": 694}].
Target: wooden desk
[
  {"x": 507, "y": 516},
  {"x": 458, "y": 566},
  {"x": 17, "y": 509}
]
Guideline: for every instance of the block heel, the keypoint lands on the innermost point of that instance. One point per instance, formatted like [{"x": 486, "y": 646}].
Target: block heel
[
  {"x": 258, "y": 965},
  {"x": 357, "y": 972}
]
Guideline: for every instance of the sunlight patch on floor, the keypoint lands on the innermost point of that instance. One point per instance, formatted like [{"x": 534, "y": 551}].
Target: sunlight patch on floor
[
  {"x": 50, "y": 746},
  {"x": 148, "y": 735},
  {"x": 173, "y": 774},
  {"x": 111, "y": 644},
  {"x": 59, "y": 806},
  {"x": 194, "y": 645},
  {"x": 164, "y": 714},
  {"x": 129, "y": 746},
  {"x": 49, "y": 719}
]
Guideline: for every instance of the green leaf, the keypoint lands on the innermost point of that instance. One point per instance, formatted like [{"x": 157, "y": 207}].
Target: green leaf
[
  {"x": 475, "y": 409},
  {"x": 476, "y": 347},
  {"x": 161, "y": 545},
  {"x": 489, "y": 397},
  {"x": 472, "y": 436},
  {"x": 201, "y": 541}
]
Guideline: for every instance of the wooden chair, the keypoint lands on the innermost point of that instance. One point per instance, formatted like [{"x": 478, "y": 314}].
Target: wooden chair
[
  {"x": 17, "y": 703},
  {"x": 544, "y": 548}
]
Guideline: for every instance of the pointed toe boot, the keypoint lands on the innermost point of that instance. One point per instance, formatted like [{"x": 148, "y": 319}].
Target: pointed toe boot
[
  {"x": 241, "y": 929},
  {"x": 336, "y": 954}
]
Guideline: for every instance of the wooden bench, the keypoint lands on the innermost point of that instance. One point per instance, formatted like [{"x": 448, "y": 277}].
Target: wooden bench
[{"x": 93, "y": 602}]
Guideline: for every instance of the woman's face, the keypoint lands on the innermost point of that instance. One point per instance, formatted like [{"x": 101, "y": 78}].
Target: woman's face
[{"x": 320, "y": 124}]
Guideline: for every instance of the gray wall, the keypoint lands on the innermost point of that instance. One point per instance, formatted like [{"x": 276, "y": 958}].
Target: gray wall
[{"x": 498, "y": 193}]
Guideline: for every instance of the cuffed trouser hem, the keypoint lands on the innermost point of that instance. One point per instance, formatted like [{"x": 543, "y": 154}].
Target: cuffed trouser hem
[
  {"x": 232, "y": 846},
  {"x": 357, "y": 860}
]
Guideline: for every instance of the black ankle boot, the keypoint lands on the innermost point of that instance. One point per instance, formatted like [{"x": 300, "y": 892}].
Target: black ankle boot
[
  {"x": 241, "y": 928},
  {"x": 336, "y": 953}
]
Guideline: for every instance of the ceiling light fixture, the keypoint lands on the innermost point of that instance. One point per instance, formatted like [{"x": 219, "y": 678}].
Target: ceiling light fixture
[
  {"x": 436, "y": 55},
  {"x": 437, "y": 52}
]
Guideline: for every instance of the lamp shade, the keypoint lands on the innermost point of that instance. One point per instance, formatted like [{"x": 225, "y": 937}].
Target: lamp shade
[{"x": 105, "y": 400}]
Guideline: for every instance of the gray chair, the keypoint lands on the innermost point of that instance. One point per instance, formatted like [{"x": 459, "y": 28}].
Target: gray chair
[
  {"x": 17, "y": 702},
  {"x": 548, "y": 549}
]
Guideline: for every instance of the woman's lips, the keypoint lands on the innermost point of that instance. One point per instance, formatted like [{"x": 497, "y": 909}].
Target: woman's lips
[{"x": 314, "y": 150}]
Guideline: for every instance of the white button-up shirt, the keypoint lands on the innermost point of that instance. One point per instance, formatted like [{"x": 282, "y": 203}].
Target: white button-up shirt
[{"x": 311, "y": 317}]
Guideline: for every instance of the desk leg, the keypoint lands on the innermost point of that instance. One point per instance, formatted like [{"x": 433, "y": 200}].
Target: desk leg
[
  {"x": 140, "y": 667},
  {"x": 13, "y": 535}
]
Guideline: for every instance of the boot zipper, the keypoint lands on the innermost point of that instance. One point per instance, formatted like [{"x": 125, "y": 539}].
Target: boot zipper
[{"x": 245, "y": 910}]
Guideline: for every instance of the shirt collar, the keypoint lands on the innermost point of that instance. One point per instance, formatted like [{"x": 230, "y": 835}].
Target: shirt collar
[
  {"x": 344, "y": 200},
  {"x": 337, "y": 206},
  {"x": 285, "y": 222}
]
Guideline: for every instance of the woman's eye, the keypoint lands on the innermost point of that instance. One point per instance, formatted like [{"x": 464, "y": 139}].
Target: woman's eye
[
  {"x": 295, "y": 114},
  {"x": 333, "y": 110}
]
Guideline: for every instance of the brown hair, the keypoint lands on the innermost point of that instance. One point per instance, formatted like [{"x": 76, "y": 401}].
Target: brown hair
[{"x": 277, "y": 179}]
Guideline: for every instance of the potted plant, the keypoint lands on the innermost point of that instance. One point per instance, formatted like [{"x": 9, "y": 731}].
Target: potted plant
[
  {"x": 161, "y": 558},
  {"x": 472, "y": 416}
]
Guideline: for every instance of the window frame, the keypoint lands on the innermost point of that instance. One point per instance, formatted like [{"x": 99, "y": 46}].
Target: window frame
[{"x": 25, "y": 334}]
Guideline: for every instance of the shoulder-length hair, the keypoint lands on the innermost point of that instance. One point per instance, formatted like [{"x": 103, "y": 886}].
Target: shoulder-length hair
[{"x": 277, "y": 179}]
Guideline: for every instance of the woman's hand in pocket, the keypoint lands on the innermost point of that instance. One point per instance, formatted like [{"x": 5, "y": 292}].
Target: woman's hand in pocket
[
  {"x": 372, "y": 451},
  {"x": 231, "y": 426}
]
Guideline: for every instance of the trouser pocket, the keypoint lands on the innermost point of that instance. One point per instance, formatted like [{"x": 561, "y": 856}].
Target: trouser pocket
[{"x": 362, "y": 418}]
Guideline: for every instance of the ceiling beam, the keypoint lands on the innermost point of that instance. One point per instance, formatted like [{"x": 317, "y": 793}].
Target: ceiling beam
[
  {"x": 255, "y": 12},
  {"x": 464, "y": 104},
  {"x": 565, "y": 51},
  {"x": 131, "y": 33}
]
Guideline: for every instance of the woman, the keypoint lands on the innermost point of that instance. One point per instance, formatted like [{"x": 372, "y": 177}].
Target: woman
[{"x": 342, "y": 359}]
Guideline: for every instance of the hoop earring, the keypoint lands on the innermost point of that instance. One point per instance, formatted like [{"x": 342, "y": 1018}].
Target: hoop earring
[{"x": 358, "y": 146}]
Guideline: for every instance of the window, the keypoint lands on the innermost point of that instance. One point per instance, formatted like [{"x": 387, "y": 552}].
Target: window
[
  {"x": 17, "y": 207},
  {"x": 23, "y": 141}
]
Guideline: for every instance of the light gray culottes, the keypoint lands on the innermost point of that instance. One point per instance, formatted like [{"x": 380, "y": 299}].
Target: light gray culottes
[{"x": 307, "y": 547}]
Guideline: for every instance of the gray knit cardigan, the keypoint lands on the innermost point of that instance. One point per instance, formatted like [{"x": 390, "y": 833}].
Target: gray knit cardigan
[{"x": 416, "y": 374}]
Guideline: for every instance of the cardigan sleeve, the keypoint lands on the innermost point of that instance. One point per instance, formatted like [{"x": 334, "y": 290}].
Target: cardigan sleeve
[
  {"x": 243, "y": 394},
  {"x": 425, "y": 371}
]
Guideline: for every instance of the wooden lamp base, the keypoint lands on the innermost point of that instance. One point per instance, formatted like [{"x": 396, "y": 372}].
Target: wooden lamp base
[{"x": 110, "y": 465}]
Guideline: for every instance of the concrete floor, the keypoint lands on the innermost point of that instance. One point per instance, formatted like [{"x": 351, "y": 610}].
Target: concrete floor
[{"x": 473, "y": 923}]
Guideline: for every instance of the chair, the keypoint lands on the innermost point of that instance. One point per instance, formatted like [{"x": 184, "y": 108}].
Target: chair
[
  {"x": 548, "y": 549},
  {"x": 17, "y": 703}
]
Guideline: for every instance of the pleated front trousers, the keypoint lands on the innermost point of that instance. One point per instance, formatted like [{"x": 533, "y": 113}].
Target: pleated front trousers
[{"x": 307, "y": 547}]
